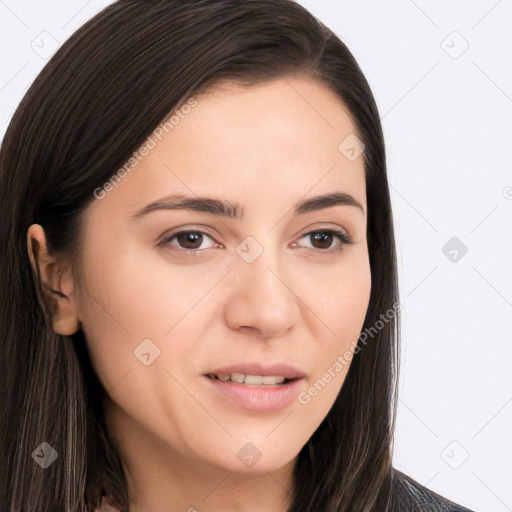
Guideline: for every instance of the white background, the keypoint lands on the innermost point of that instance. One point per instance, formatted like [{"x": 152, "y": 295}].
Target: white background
[{"x": 446, "y": 115}]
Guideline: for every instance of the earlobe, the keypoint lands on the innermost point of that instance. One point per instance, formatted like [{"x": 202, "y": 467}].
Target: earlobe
[{"x": 56, "y": 285}]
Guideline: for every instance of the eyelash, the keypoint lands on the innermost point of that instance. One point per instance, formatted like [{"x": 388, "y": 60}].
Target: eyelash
[{"x": 166, "y": 242}]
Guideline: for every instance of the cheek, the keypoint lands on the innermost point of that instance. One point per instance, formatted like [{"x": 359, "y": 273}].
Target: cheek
[
  {"x": 131, "y": 297},
  {"x": 342, "y": 308},
  {"x": 343, "y": 299}
]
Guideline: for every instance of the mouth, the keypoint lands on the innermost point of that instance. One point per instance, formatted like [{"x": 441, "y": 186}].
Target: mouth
[
  {"x": 252, "y": 380},
  {"x": 256, "y": 387}
]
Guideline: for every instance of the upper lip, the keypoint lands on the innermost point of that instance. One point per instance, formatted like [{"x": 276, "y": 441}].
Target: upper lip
[{"x": 287, "y": 370}]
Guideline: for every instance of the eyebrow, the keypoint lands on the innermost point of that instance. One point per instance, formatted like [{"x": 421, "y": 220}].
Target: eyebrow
[{"x": 233, "y": 209}]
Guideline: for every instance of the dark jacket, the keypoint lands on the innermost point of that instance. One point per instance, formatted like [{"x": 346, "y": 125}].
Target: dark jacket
[{"x": 408, "y": 496}]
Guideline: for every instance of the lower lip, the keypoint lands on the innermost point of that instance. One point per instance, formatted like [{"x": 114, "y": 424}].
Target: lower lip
[{"x": 257, "y": 398}]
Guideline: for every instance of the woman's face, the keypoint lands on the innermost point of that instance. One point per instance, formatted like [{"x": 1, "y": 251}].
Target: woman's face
[{"x": 269, "y": 291}]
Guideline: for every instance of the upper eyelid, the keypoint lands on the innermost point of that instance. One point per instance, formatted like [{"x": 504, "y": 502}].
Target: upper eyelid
[{"x": 204, "y": 230}]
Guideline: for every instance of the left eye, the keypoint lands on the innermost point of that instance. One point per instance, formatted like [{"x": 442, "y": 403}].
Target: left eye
[
  {"x": 325, "y": 238},
  {"x": 189, "y": 242}
]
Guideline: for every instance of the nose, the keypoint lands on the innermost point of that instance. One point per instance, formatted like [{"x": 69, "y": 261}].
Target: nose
[{"x": 262, "y": 298}]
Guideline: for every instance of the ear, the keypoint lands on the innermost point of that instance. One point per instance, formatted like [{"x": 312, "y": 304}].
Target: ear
[{"x": 57, "y": 284}]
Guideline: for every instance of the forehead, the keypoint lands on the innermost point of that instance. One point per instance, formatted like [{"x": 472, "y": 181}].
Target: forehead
[{"x": 285, "y": 135}]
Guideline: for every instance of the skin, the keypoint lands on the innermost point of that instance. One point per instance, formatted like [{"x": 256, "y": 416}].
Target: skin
[{"x": 266, "y": 147}]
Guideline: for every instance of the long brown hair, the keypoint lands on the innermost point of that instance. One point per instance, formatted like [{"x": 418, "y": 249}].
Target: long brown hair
[{"x": 95, "y": 102}]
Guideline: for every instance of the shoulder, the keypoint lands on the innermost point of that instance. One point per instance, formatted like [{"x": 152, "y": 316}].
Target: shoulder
[{"x": 409, "y": 495}]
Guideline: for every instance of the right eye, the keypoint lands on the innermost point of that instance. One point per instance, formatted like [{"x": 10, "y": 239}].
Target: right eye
[{"x": 187, "y": 242}]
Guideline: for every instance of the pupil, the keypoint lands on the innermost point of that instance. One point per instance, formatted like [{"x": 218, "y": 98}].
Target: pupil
[{"x": 323, "y": 238}]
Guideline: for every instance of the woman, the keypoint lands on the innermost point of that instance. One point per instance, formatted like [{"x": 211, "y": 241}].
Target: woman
[{"x": 199, "y": 291}]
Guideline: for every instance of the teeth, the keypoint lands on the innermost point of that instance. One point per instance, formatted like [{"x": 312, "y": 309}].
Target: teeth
[
  {"x": 252, "y": 380},
  {"x": 272, "y": 379}
]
